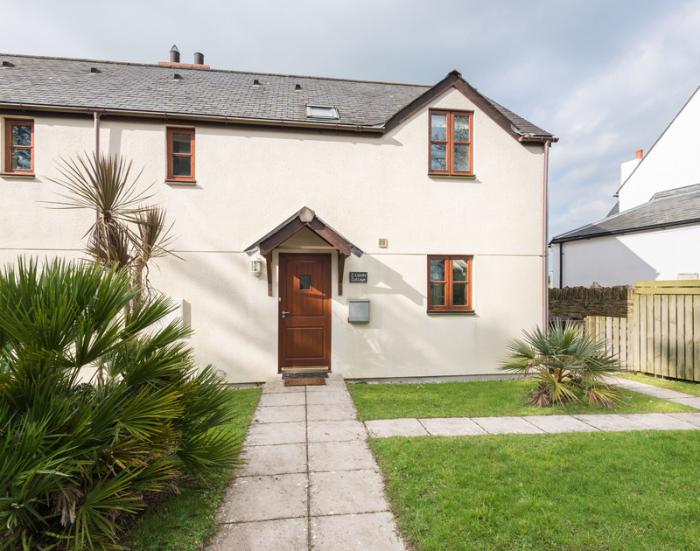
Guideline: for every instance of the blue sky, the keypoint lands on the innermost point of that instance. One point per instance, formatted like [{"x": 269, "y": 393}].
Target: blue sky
[{"x": 605, "y": 76}]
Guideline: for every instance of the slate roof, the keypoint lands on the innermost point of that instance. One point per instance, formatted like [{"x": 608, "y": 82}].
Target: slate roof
[
  {"x": 673, "y": 207},
  {"x": 46, "y": 82}
]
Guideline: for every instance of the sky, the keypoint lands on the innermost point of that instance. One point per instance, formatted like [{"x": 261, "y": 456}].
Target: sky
[{"x": 605, "y": 76}]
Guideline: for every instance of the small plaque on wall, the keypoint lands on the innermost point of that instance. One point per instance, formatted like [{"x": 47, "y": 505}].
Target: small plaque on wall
[{"x": 358, "y": 277}]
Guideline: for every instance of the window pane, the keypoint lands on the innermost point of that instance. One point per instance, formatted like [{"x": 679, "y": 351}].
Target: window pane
[
  {"x": 437, "y": 294},
  {"x": 182, "y": 143},
  {"x": 461, "y": 158},
  {"x": 305, "y": 282},
  {"x": 437, "y": 156},
  {"x": 459, "y": 270},
  {"x": 182, "y": 166},
  {"x": 462, "y": 128},
  {"x": 438, "y": 128},
  {"x": 437, "y": 270},
  {"x": 21, "y": 159},
  {"x": 459, "y": 294},
  {"x": 22, "y": 135}
]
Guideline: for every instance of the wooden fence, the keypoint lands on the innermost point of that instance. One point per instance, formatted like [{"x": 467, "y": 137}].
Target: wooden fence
[{"x": 661, "y": 334}]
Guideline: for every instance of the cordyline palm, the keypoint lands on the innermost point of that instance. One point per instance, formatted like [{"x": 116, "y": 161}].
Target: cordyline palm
[
  {"x": 125, "y": 232},
  {"x": 567, "y": 365}
]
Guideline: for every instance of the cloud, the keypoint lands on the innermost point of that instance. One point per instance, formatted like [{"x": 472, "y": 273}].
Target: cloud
[{"x": 605, "y": 118}]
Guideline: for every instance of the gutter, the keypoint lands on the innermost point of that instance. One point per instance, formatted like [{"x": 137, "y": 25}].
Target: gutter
[{"x": 192, "y": 117}]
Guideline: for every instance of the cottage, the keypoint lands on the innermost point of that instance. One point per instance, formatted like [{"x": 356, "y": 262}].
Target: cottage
[
  {"x": 374, "y": 229},
  {"x": 651, "y": 231}
]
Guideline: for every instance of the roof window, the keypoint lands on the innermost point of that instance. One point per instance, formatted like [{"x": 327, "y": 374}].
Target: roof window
[{"x": 320, "y": 112}]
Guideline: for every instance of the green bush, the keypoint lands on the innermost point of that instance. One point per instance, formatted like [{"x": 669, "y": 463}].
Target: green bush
[
  {"x": 99, "y": 411},
  {"x": 567, "y": 365}
]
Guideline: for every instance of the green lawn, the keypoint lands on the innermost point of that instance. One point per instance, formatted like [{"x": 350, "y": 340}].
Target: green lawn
[
  {"x": 479, "y": 399},
  {"x": 185, "y": 521},
  {"x": 593, "y": 491},
  {"x": 680, "y": 386}
]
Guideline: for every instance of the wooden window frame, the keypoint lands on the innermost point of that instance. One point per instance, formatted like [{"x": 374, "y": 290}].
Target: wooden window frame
[
  {"x": 448, "y": 307},
  {"x": 450, "y": 143},
  {"x": 171, "y": 131},
  {"x": 9, "y": 147}
]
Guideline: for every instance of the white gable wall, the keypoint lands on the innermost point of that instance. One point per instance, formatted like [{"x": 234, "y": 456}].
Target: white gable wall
[
  {"x": 625, "y": 259},
  {"x": 673, "y": 161}
]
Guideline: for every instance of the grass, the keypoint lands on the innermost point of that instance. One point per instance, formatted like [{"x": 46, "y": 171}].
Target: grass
[
  {"x": 680, "y": 386},
  {"x": 593, "y": 491},
  {"x": 480, "y": 399},
  {"x": 186, "y": 520}
]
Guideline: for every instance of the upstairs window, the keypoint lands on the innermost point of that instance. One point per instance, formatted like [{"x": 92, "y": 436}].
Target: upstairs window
[
  {"x": 451, "y": 143},
  {"x": 181, "y": 154},
  {"x": 450, "y": 283},
  {"x": 19, "y": 146}
]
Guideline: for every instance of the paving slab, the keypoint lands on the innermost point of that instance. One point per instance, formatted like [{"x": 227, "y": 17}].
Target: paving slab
[
  {"x": 612, "y": 422},
  {"x": 661, "y": 421},
  {"x": 384, "y": 428},
  {"x": 692, "y": 418},
  {"x": 342, "y": 492},
  {"x": 265, "y": 434},
  {"x": 267, "y": 535},
  {"x": 265, "y": 498},
  {"x": 268, "y": 460},
  {"x": 329, "y": 397},
  {"x": 506, "y": 425},
  {"x": 451, "y": 426},
  {"x": 559, "y": 423},
  {"x": 277, "y": 386},
  {"x": 331, "y": 385},
  {"x": 283, "y": 399},
  {"x": 340, "y": 456},
  {"x": 280, "y": 414},
  {"x": 335, "y": 431},
  {"x": 330, "y": 412},
  {"x": 371, "y": 532},
  {"x": 692, "y": 401}
]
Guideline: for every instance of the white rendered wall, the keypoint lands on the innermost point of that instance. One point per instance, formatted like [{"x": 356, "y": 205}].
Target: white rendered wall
[
  {"x": 625, "y": 259},
  {"x": 250, "y": 180},
  {"x": 673, "y": 162}
]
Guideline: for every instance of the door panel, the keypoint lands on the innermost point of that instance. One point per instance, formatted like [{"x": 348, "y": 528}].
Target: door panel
[{"x": 305, "y": 310}]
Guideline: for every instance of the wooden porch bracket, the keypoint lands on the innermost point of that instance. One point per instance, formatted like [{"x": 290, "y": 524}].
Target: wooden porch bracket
[
  {"x": 268, "y": 269},
  {"x": 341, "y": 269}
]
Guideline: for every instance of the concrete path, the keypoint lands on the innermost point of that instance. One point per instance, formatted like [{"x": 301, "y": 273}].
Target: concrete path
[
  {"x": 310, "y": 481},
  {"x": 656, "y": 392},
  {"x": 532, "y": 424}
]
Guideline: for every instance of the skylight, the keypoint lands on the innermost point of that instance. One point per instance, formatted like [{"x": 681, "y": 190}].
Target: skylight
[{"x": 320, "y": 112}]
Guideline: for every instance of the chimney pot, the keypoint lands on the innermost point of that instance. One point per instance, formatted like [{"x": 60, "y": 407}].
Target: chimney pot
[
  {"x": 174, "y": 54},
  {"x": 198, "y": 58},
  {"x": 639, "y": 154}
]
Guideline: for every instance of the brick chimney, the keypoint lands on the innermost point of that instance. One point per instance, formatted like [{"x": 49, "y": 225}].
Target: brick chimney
[
  {"x": 174, "y": 62},
  {"x": 639, "y": 154}
]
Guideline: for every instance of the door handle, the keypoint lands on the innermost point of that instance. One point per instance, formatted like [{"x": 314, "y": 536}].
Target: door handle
[{"x": 284, "y": 313}]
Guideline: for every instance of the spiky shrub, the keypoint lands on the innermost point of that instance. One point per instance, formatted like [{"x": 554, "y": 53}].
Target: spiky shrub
[
  {"x": 77, "y": 456},
  {"x": 567, "y": 365}
]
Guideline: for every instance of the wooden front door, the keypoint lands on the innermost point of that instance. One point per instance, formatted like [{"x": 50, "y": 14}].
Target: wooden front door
[{"x": 305, "y": 310}]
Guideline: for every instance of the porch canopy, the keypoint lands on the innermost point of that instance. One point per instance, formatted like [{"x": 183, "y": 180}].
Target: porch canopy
[{"x": 304, "y": 218}]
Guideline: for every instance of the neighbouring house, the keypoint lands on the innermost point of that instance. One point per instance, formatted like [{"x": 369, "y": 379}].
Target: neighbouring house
[
  {"x": 376, "y": 229},
  {"x": 652, "y": 231}
]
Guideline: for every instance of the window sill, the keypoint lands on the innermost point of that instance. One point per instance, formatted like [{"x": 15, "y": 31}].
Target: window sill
[
  {"x": 443, "y": 175},
  {"x": 25, "y": 175},
  {"x": 451, "y": 312},
  {"x": 181, "y": 182}
]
